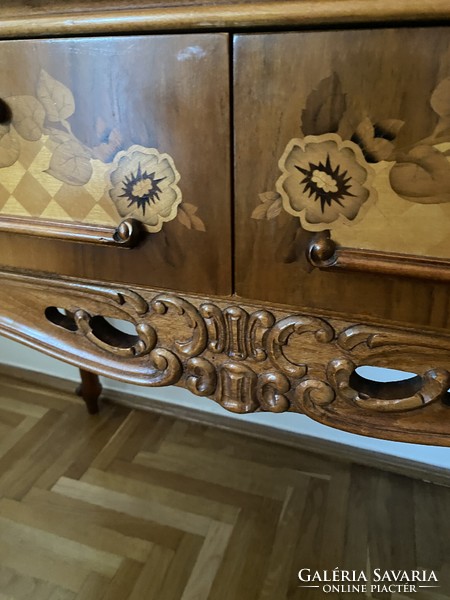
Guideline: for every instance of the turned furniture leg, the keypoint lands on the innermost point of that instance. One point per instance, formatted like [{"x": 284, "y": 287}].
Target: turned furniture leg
[{"x": 89, "y": 389}]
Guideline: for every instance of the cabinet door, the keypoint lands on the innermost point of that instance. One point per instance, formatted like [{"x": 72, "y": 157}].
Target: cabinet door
[
  {"x": 344, "y": 137},
  {"x": 97, "y": 131}
]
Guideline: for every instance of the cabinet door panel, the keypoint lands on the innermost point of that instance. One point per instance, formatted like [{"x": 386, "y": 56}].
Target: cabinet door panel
[
  {"x": 344, "y": 135},
  {"x": 101, "y": 130}
]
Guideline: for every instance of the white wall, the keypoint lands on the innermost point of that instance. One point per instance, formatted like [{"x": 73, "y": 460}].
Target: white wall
[{"x": 12, "y": 353}]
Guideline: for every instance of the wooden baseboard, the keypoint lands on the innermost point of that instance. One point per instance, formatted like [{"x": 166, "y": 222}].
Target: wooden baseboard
[{"x": 303, "y": 442}]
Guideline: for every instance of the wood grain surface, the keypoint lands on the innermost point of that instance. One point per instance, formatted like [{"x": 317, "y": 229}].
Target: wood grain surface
[
  {"x": 128, "y": 95},
  {"x": 103, "y": 16},
  {"x": 279, "y": 79},
  {"x": 130, "y": 505}
]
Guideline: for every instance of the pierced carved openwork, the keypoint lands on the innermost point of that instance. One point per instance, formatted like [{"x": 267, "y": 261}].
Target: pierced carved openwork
[{"x": 244, "y": 357}]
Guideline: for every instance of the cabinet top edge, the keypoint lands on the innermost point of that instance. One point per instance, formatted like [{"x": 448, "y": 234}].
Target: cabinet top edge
[{"x": 17, "y": 19}]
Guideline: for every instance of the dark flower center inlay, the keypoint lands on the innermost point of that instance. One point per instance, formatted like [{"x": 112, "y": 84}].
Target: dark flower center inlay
[
  {"x": 141, "y": 189},
  {"x": 327, "y": 184}
]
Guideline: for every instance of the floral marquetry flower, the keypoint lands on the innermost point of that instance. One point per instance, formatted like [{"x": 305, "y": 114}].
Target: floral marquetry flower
[
  {"x": 324, "y": 180},
  {"x": 144, "y": 186}
]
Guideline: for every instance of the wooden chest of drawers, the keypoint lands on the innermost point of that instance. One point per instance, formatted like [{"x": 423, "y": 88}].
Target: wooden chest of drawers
[{"x": 260, "y": 190}]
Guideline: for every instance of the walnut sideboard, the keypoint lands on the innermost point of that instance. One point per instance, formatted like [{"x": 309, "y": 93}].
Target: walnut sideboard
[{"x": 261, "y": 190}]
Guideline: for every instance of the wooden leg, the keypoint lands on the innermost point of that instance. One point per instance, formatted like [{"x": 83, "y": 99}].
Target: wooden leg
[{"x": 89, "y": 389}]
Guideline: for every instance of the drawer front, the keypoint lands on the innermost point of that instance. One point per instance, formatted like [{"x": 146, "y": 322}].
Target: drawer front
[
  {"x": 349, "y": 145},
  {"x": 98, "y": 131}
]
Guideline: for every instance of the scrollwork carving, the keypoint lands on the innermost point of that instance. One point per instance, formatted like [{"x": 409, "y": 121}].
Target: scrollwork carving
[
  {"x": 165, "y": 368},
  {"x": 104, "y": 336},
  {"x": 417, "y": 392},
  {"x": 236, "y": 388},
  {"x": 259, "y": 321},
  {"x": 313, "y": 394},
  {"x": 197, "y": 344},
  {"x": 201, "y": 377},
  {"x": 364, "y": 335},
  {"x": 271, "y": 390},
  {"x": 136, "y": 301},
  {"x": 235, "y": 332},
  {"x": 236, "y": 320},
  {"x": 245, "y": 357},
  {"x": 215, "y": 323},
  {"x": 278, "y": 339}
]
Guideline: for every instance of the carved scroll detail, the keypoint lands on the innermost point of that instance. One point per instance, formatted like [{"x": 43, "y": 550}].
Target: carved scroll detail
[
  {"x": 235, "y": 332},
  {"x": 201, "y": 377},
  {"x": 215, "y": 323},
  {"x": 433, "y": 385},
  {"x": 259, "y": 324},
  {"x": 313, "y": 393},
  {"x": 363, "y": 335},
  {"x": 236, "y": 320},
  {"x": 271, "y": 390},
  {"x": 197, "y": 344},
  {"x": 236, "y": 388},
  {"x": 145, "y": 333},
  {"x": 166, "y": 368},
  {"x": 278, "y": 339},
  {"x": 245, "y": 357},
  {"x": 136, "y": 301}
]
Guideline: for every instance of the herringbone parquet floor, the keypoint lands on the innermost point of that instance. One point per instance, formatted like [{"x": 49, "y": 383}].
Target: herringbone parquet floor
[{"x": 131, "y": 505}]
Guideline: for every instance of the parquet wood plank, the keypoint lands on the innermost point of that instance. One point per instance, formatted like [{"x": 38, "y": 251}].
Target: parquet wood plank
[
  {"x": 156, "y": 436},
  {"x": 123, "y": 582},
  {"x": 135, "y": 506},
  {"x": 21, "y": 407},
  {"x": 262, "y": 537},
  {"x": 184, "y": 502},
  {"x": 271, "y": 455},
  {"x": 16, "y": 482},
  {"x": 123, "y": 503},
  {"x": 96, "y": 516},
  {"x": 42, "y": 397},
  {"x": 4, "y": 430},
  {"x": 277, "y": 576},
  {"x": 148, "y": 584},
  {"x": 335, "y": 517},
  {"x": 14, "y": 462},
  {"x": 121, "y": 437},
  {"x": 208, "y": 561},
  {"x": 14, "y": 435},
  {"x": 31, "y": 561},
  {"x": 15, "y": 585},
  {"x": 226, "y": 582},
  {"x": 427, "y": 527},
  {"x": 92, "y": 587},
  {"x": 76, "y": 455},
  {"x": 60, "y": 594},
  {"x": 80, "y": 555},
  {"x": 100, "y": 432},
  {"x": 10, "y": 418},
  {"x": 245, "y": 476},
  {"x": 180, "y": 569},
  {"x": 73, "y": 530},
  {"x": 205, "y": 489},
  {"x": 355, "y": 550}
]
